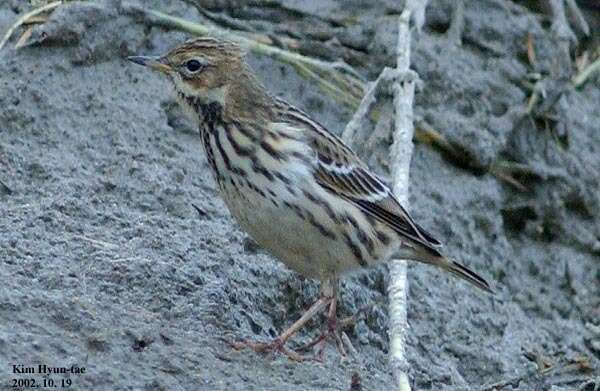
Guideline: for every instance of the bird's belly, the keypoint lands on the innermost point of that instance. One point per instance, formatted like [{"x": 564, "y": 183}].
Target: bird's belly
[
  {"x": 311, "y": 246},
  {"x": 275, "y": 199}
]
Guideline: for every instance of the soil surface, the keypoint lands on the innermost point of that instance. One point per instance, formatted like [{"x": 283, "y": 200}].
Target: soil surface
[{"x": 117, "y": 254}]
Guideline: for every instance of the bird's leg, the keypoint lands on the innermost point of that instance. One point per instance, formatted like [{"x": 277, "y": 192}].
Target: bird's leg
[
  {"x": 278, "y": 344},
  {"x": 335, "y": 329},
  {"x": 331, "y": 329}
]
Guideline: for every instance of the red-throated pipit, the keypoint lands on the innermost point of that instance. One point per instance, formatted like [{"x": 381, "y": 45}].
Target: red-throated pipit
[{"x": 296, "y": 188}]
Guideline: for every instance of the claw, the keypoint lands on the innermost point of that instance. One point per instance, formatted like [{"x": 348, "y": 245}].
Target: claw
[{"x": 332, "y": 330}]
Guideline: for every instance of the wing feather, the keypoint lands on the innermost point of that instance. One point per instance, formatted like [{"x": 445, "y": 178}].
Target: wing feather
[{"x": 340, "y": 171}]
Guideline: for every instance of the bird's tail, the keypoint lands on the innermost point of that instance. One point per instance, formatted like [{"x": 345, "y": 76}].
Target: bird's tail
[
  {"x": 465, "y": 273},
  {"x": 458, "y": 269}
]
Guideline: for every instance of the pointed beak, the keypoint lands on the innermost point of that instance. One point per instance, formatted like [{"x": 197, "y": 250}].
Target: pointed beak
[{"x": 155, "y": 63}]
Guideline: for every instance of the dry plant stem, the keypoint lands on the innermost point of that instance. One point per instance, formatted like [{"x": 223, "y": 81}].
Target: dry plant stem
[
  {"x": 539, "y": 90},
  {"x": 500, "y": 174},
  {"x": 426, "y": 134},
  {"x": 417, "y": 12},
  {"x": 587, "y": 73},
  {"x": 23, "y": 19},
  {"x": 24, "y": 37},
  {"x": 356, "y": 130},
  {"x": 400, "y": 154}
]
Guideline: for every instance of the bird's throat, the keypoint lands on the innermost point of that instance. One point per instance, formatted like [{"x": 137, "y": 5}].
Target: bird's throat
[
  {"x": 199, "y": 108},
  {"x": 210, "y": 113}
]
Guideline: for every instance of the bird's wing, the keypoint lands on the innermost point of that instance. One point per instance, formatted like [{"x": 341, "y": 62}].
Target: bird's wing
[{"x": 341, "y": 172}]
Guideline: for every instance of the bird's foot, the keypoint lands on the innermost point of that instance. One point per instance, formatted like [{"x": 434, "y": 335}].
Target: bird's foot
[
  {"x": 333, "y": 330},
  {"x": 278, "y": 344},
  {"x": 330, "y": 332}
]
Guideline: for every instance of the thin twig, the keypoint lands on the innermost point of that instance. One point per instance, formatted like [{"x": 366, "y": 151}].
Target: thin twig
[
  {"x": 514, "y": 168},
  {"x": 36, "y": 20},
  {"x": 24, "y": 37},
  {"x": 426, "y": 134},
  {"x": 400, "y": 155},
  {"x": 356, "y": 130},
  {"x": 587, "y": 73},
  {"x": 501, "y": 174},
  {"x": 539, "y": 91},
  {"x": 23, "y": 19},
  {"x": 531, "y": 57}
]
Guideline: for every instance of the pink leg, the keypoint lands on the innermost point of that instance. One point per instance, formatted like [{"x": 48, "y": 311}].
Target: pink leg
[
  {"x": 278, "y": 344},
  {"x": 331, "y": 329}
]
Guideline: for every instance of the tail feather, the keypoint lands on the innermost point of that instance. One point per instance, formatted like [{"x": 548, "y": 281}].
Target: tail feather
[
  {"x": 467, "y": 274},
  {"x": 429, "y": 256}
]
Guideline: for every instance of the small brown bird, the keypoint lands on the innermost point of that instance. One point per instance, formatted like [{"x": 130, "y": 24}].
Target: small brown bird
[{"x": 296, "y": 188}]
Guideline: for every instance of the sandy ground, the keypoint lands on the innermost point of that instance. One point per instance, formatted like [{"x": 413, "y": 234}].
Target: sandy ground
[{"x": 105, "y": 263}]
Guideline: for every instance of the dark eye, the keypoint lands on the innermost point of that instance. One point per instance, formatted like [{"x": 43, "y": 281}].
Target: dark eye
[{"x": 193, "y": 65}]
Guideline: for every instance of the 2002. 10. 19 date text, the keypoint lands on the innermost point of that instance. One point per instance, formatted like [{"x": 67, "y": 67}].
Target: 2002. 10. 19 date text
[{"x": 42, "y": 383}]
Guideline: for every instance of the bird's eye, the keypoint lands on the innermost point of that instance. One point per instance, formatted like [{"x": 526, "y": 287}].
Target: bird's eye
[{"x": 193, "y": 65}]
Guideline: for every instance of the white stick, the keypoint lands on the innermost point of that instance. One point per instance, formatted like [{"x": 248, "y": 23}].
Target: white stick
[
  {"x": 400, "y": 154},
  {"x": 356, "y": 130}
]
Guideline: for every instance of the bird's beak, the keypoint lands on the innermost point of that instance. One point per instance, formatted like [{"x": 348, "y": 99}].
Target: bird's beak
[{"x": 151, "y": 62}]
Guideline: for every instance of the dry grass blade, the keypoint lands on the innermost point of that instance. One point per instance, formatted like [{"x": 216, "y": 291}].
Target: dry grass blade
[
  {"x": 530, "y": 50},
  {"x": 36, "y": 20},
  {"x": 587, "y": 73},
  {"x": 25, "y": 18},
  {"x": 426, "y": 134},
  {"x": 24, "y": 37},
  {"x": 508, "y": 178}
]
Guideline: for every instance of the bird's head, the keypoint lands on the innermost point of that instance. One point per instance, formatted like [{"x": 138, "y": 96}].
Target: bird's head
[
  {"x": 207, "y": 70},
  {"x": 202, "y": 68}
]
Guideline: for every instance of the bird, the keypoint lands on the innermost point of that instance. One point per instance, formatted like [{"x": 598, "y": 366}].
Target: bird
[{"x": 295, "y": 187}]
